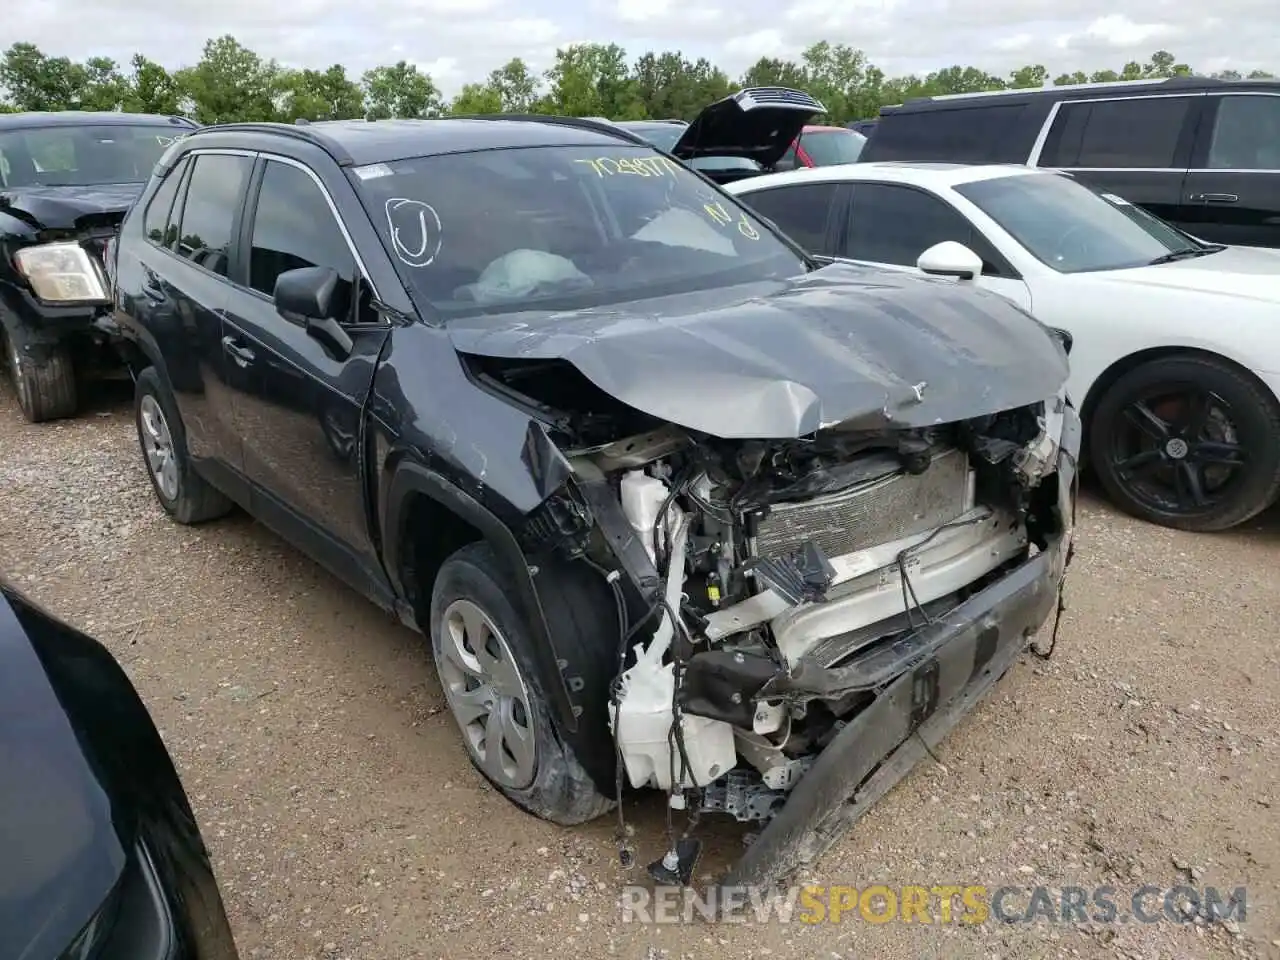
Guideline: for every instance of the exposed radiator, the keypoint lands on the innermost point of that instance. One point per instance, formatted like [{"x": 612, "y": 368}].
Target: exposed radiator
[{"x": 872, "y": 513}]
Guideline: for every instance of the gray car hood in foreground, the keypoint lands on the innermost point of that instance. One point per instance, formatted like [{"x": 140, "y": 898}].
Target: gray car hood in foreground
[{"x": 784, "y": 359}]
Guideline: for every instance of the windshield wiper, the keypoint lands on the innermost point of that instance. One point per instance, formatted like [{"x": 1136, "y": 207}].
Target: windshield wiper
[{"x": 1189, "y": 253}]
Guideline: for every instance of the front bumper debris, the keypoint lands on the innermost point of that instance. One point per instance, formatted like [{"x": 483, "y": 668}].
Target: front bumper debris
[{"x": 960, "y": 657}]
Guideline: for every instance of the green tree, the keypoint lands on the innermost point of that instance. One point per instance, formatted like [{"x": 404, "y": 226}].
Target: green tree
[
  {"x": 401, "y": 91},
  {"x": 231, "y": 83},
  {"x": 38, "y": 82},
  {"x": 478, "y": 98},
  {"x": 321, "y": 95},
  {"x": 1032, "y": 75},
  {"x": 152, "y": 89},
  {"x": 515, "y": 86},
  {"x": 771, "y": 72},
  {"x": 593, "y": 79},
  {"x": 669, "y": 86}
]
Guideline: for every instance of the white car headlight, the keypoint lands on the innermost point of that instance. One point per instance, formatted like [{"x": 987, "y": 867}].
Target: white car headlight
[{"x": 62, "y": 272}]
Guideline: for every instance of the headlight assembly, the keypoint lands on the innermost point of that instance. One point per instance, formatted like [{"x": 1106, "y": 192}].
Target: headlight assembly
[{"x": 62, "y": 272}]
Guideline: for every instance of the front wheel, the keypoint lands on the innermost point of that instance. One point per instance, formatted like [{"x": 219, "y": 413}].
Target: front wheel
[
  {"x": 1188, "y": 442},
  {"x": 46, "y": 386},
  {"x": 484, "y": 658}
]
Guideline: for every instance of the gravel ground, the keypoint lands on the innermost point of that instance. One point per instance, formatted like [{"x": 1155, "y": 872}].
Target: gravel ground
[{"x": 346, "y": 823}]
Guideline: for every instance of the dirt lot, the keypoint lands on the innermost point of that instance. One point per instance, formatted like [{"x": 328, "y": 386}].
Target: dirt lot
[{"x": 346, "y": 822}]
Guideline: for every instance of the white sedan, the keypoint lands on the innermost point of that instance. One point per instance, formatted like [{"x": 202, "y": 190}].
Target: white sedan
[{"x": 1175, "y": 361}]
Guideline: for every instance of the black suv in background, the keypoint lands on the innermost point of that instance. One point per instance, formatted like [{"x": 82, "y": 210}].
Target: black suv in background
[
  {"x": 66, "y": 180},
  {"x": 1201, "y": 153},
  {"x": 541, "y": 389}
]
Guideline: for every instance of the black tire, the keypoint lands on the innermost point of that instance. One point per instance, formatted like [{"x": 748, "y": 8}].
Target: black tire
[
  {"x": 193, "y": 499},
  {"x": 46, "y": 388},
  {"x": 560, "y": 787},
  {"x": 1188, "y": 442}
]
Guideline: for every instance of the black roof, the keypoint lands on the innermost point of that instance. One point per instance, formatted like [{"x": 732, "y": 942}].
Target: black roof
[
  {"x": 360, "y": 142},
  {"x": 1076, "y": 91},
  {"x": 86, "y": 118}
]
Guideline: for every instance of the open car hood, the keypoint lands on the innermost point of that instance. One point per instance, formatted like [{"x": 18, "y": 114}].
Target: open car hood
[
  {"x": 758, "y": 122},
  {"x": 843, "y": 344}
]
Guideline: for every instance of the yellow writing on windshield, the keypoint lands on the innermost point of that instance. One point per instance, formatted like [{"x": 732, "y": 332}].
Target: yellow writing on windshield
[
  {"x": 632, "y": 166},
  {"x": 722, "y": 217}
]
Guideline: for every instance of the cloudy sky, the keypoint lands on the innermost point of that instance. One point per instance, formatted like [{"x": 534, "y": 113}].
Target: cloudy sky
[{"x": 461, "y": 40}]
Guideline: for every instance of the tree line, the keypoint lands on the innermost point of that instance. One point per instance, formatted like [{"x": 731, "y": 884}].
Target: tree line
[{"x": 233, "y": 83}]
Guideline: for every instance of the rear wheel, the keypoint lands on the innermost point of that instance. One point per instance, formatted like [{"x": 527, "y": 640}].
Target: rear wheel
[
  {"x": 184, "y": 494},
  {"x": 44, "y": 380},
  {"x": 1188, "y": 442}
]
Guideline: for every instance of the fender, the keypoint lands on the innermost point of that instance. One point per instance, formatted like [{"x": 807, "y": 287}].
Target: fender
[{"x": 410, "y": 477}]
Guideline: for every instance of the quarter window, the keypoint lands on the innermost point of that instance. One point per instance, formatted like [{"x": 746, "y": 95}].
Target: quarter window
[
  {"x": 801, "y": 212},
  {"x": 1139, "y": 132},
  {"x": 1246, "y": 134},
  {"x": 214, "y": 193},
  {"x": 293, "y": 227}
]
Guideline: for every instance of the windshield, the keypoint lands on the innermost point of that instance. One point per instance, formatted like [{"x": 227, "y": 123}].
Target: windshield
[
  {"x": 556, "y": 228},
  {"x": 81, "y": 156},
  {"x": 1074, "y": 229},
  {"x": 829, "y": 147}
]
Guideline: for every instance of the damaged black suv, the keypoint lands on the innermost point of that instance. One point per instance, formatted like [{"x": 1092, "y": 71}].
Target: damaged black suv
[
  {"x": 66, "y": 181},
  {"x": 673, "y": 501}
]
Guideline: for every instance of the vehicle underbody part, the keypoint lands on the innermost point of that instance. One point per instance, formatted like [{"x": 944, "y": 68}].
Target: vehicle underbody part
[{"x": 794, "y": 611}]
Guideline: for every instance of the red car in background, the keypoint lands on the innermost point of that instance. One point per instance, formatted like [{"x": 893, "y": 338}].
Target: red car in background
[{"x": 822, "y": 146}]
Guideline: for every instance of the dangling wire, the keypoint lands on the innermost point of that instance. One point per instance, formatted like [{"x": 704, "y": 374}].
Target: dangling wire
[{"x": 1066, "y": 563}]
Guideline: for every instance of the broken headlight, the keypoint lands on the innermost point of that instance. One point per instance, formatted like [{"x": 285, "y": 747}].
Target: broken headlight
[{"x": 62, "y": 272}]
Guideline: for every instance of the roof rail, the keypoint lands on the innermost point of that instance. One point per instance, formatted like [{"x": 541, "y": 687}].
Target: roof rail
[
  {"x": 306, "y": 132},
  {"x": 583, "y": 123},
  {"x": 1090, "y": 85}
]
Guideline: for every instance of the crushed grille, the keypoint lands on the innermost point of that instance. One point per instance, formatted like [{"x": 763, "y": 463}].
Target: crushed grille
[{"x": 872, "y": 513}]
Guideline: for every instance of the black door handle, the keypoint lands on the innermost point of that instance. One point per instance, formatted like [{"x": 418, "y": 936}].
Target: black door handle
[
  {"x": 1214, "y": 197},
  {"x": 241, "y": 355}
]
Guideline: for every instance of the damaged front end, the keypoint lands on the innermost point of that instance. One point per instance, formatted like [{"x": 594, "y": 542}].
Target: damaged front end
[{"x": 801, "y": 615}]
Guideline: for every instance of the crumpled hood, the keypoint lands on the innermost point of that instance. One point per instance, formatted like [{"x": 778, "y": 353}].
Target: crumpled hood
[
  {"x": 1252, "y": 273},
  {"x": 65, "y": 208},
  {"x": 784, "y": 359}
]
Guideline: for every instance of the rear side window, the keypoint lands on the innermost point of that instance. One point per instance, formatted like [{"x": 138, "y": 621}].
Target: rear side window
[
  {"x": 1246, "y": 134},
  {"x": 156, "y": 221},
  {"x": 956, "y": 135},
  {"x": 214, "y": 194},
  {"x": 801, "y": 212},
  {"x": 1123, "y": 134}
]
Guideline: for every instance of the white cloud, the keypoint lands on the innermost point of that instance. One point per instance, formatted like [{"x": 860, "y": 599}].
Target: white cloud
[{"x": 462, "y": 40}]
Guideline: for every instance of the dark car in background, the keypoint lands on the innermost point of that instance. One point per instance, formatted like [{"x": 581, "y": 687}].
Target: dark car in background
[
  {"x": 864, "y": 127},
  {"x": 66, "y": 180},
  {"x": 100, "y": 855},
  {"x": 1198, "y": 152}
]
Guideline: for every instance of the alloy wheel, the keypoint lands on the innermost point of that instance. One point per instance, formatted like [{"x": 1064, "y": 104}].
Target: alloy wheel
[
  {"x": 487, "y": 694},
  {"x": 1177, "y": 450},
  {"x": 157, "y": 444}
]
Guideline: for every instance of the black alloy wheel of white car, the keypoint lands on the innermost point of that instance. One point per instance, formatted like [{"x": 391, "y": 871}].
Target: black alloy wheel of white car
[
  {"x": 1189, "y": 442},
  {"x": 483, "y": 654}
]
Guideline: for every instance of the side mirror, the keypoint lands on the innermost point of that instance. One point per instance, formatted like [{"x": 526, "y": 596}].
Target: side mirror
[
  {"x": 309, "y": 294},
  {"x": 950, "y": 259}
]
